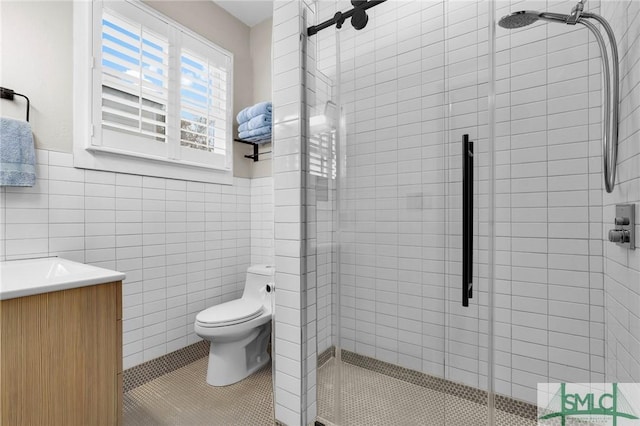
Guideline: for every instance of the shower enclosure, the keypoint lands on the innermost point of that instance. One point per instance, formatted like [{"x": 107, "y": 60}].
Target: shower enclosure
[{"x": 453, "y": 199}]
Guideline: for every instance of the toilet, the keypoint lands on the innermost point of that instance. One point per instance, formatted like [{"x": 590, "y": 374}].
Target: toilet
[{"x": 239, "y": 330}]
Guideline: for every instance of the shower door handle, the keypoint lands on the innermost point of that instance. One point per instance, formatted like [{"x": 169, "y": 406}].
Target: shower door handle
[{"x": 467, "y": 220}]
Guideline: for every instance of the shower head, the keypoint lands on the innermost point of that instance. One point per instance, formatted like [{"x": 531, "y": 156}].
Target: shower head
[
  {"x": 519, "y": 19},
  {"x": 527, "y": 17},
  {"x": 611, "y": 98}
]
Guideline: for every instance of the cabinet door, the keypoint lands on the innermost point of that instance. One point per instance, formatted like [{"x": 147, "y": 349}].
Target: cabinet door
[{"x": 59, "y": 357}]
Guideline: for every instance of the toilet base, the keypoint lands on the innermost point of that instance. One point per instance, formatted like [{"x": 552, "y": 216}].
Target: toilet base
[{"x": 231, "y": 362}]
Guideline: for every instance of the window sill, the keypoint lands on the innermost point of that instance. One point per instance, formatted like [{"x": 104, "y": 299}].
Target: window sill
[{"x": 114, "y": 160}]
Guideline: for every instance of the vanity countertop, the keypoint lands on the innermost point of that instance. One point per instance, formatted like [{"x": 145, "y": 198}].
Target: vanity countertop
[{"x": 19, "y": 278}]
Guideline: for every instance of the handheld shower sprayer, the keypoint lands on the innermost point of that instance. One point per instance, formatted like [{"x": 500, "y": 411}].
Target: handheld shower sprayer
[{"x": 611, "y": 83}]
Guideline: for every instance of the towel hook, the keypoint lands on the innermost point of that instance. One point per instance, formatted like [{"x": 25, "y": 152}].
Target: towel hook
[{"x": 9, "y": 94}]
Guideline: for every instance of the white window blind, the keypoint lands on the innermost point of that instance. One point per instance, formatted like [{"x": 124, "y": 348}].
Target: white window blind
[
  {"x": 203, "y": 100},
  {"x": 160, "y": 91},
  {"x": 135, "y": 79}
]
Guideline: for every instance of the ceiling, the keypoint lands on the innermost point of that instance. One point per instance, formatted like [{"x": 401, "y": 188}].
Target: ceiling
[{"x": 250, "y": 12}]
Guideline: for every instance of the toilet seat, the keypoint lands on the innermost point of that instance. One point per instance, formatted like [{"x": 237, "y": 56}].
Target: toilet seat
[{"x": 230, "y": 313}]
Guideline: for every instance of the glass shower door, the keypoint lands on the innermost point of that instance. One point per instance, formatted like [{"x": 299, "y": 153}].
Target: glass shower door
[
  {"x": 468, "y": 227},
  {"x": 388, "y": 108},
  {"x": 386, "y": 189}
]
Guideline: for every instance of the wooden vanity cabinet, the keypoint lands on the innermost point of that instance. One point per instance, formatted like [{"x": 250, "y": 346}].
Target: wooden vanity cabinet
[{"x": 61, "y": 357}]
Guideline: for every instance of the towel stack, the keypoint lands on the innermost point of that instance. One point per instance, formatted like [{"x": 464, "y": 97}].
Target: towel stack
[{"x": 255, "y": 123}]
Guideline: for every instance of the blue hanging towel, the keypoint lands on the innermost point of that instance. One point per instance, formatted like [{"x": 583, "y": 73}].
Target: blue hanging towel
[{"x": 17, "y": 153}]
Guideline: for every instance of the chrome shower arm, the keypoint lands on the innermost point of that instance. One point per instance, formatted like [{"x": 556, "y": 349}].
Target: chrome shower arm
[{"x": 612, "y": 101}]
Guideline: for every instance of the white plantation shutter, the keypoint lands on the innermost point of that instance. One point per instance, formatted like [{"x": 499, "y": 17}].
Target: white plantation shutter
[
  {"x": 134, "y": 59},
  {"x": 202, "y": 104},
  {"x": 204, "y": 124},
  {"x": 159, "y": 90},
  {"x": 135, "y": 90}
]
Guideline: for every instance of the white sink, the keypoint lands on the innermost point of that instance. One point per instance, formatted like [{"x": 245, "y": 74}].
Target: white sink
[{"x": 27, "y": 277}]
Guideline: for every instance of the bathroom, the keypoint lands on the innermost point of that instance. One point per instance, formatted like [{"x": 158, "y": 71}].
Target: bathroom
[{"x": 448, "y": 197}]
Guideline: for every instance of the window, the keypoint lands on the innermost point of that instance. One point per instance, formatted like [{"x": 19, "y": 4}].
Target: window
[
  {"x": 203, "y": 106},
  {"x": 160, "y": 96},
  {"x": 134, "y": 83}
]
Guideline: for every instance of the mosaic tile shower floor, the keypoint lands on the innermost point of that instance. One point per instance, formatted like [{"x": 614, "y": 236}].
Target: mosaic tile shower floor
[
  {"x": 182, "y": 397},
  {"x": 372, "y": 398}
]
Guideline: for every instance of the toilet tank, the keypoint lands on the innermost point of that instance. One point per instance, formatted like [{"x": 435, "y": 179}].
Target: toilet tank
[{"x": 258, "y": 276}]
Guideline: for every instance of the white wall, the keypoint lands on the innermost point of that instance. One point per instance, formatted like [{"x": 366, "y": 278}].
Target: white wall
[
  {"x": 260, "y": 49},
  {"x": 320, "y": 194},
  {"x": 294, "y": 347},
  {"x": 35, "y": 41},
  {"x": 184, "y": 245},
  {"x": 622, "y": 267},
  {"x": 400, "y": 270},
  {"x": 261, "y": 57},
  {"x": 262, "y": 221},
  {"x": 549, "y": 276},
  {"x": 321, "y": 258},
  {"x": 36, "y": 44},
  {"x": 413, "y": 82}
]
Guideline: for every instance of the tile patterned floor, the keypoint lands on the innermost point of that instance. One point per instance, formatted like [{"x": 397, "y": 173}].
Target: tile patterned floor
[
  {"x": 371, "y": 398},
  {"x": 150, "y": 370},
  {"x": 182, "y": 397}
]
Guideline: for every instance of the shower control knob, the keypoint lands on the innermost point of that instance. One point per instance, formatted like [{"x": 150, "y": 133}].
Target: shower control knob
[
  {"x": 619, "y": 236},
  {"x": 621, "y": 221},
  {"x": 624, "y": 232}
]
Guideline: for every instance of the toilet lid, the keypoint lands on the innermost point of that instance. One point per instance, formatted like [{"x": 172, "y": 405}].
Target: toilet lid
[{"x": 233, "y": 312}]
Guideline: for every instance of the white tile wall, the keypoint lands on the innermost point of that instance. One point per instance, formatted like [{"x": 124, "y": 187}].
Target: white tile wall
[
  {"x": 291, "y": 361},
  {"x": 622, "y": 267},
  {"x": 412, "y": 83},
  {"x": 186, "y": 245},
  {"x": 393, "y": 248},
  {"x": 262, "y": 221},
  {"x": 183, "y": 245},
  {"x": 549, "y": 294},
  {"x": 321, "y": 256},
  {"x": 319, "y": 202},
  {"x": 310, "y": 282}
]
